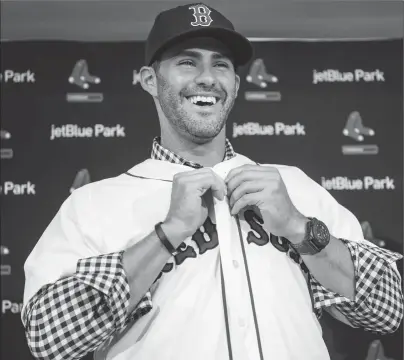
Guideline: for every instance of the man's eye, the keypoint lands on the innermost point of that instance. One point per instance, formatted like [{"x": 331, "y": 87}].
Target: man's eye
[
  {"x": 187, "y": 63},
  {"x": 222, "y": 64}
]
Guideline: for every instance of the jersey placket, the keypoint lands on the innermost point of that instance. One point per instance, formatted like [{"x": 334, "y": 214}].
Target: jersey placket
[{"x": 241, "y": 324}]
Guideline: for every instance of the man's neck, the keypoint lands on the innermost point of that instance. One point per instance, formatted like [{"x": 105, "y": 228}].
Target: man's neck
[{"x": 207, "y": 154}]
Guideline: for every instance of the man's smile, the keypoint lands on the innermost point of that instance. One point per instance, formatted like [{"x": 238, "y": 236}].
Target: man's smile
[{"x": 206, "y": 102}]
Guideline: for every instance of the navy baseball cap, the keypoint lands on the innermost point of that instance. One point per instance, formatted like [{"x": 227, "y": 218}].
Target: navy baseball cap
[{"x": 195, "y": 20}]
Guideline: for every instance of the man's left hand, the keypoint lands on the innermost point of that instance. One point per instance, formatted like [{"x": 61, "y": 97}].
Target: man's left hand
[{"x": 262, "y": 188}]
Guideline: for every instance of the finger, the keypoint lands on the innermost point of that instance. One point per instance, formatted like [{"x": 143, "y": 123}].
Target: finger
[
  {"x": 247, "y": 199},
  {"x": 202, "y": 180},
  {"x": 247, "y": 167},
  {"x": 193, "y": 176},
  {"x": 219, "y": 190},
  {"x": 245, "y": 176},
  {"x": 257, "y": 174},
  {"x": 212, "y": 181},
  {"x": 246, "y": 187},
  {"x": 193, "y": 173}
]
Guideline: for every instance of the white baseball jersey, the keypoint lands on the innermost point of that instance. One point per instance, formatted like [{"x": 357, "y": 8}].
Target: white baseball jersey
[{"x": 268, "y": 311}]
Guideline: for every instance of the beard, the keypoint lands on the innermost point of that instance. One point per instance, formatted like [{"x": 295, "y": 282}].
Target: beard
[{"x": 200, "y": 126}]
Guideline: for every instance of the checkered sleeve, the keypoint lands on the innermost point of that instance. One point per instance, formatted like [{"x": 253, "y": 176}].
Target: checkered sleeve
[
  {"x": 378, "y": 303},
  {"x": 77, "y": 314}
]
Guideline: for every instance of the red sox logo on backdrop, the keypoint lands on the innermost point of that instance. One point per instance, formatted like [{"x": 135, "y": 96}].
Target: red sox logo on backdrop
[
  {"x": 5, "y": 153},
  {"x": 201, "y": 15}
]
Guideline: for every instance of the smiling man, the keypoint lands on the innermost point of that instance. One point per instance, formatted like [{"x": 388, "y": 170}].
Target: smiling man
[
  {"x": 199, "y": 252},
  {"x": 193, "y": 105}
]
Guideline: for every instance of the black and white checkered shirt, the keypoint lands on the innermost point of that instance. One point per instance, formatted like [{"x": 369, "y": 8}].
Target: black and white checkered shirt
[
  {"x": 161, "y": 153},
  {"x": 75, "y": 315}
]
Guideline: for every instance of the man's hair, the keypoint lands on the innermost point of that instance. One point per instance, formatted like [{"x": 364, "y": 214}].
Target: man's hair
[{"x": 156, "y": 66}]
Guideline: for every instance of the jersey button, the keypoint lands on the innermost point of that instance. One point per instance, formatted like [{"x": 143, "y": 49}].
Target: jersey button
[
  {"x": 235, "y": 264},
  {"x": 241, "y": 322}
]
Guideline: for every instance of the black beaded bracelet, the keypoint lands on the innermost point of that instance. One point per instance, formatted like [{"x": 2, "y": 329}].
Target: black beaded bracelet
[{"x": 163, "y": 238}]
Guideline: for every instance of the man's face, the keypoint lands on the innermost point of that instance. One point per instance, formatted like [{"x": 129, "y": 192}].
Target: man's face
[{"x": 197, "y": 86}]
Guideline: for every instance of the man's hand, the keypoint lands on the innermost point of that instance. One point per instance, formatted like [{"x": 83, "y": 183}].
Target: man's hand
[
  {"x": 262, "y": 188},
  {"x": 189, "y": 202}
]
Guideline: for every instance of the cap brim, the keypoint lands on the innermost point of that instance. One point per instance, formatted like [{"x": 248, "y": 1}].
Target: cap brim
[{"x": 239, "y": 45}]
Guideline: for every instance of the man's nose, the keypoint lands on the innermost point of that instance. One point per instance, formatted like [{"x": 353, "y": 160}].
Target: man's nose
[{"x": 206, "y": 77}]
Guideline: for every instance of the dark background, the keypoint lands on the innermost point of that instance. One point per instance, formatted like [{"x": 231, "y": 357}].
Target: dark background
[{"x": 28, "y": 111}]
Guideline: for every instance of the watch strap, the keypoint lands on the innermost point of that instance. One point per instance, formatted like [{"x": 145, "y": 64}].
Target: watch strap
[{"x": 305, "y": 248}]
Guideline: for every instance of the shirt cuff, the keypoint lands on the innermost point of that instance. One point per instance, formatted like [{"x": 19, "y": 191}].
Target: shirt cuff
[
  {"x": 26, "y": 312},
  {"x": 369, "y": 265},
  {"x": 142, "y": 308},
  {"x": 106, "y": 274}
]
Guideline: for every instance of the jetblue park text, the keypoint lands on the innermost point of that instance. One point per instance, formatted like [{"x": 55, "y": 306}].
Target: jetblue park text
[
  {"x": 367, "y": 183},
  {"x": 76, "y": 131},
  {"x": 336, "y": 76}
]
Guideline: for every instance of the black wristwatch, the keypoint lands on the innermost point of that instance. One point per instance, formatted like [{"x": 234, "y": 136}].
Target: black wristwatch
[{"x": 316, "y": 238}]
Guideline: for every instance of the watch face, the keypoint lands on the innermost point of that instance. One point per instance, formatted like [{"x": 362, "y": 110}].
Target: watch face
[{"x": 321, "y": 235}]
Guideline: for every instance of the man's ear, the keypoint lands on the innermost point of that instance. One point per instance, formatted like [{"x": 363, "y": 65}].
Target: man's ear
[
  {"x": 237, "y": 84},
  {"x": 148, "y": 80}
]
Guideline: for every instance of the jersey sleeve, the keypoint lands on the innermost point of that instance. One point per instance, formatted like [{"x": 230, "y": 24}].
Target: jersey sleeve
[
  {"x": 378, "y": 303},
  {"x": 76, "y": 294},
  {"x": 75, "y": 315}
]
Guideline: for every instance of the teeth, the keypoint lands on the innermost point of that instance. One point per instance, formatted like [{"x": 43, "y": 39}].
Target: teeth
[{"x": 206, "y": 99}]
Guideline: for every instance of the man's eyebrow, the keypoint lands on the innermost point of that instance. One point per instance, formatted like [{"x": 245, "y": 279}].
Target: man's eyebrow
[
  {"x": 191, "y": 53},
  {"x": 198, "y": 55},
  {"x": 225, "y": 56}
]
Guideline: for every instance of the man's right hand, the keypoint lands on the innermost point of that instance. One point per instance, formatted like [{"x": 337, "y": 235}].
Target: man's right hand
[{"x": 188, "y": 208}]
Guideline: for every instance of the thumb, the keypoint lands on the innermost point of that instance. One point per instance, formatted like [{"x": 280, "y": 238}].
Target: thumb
[{"x": 219, "y": 188}]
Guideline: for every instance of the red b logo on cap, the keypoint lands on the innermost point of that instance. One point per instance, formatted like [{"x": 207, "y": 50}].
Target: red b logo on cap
[{"x": 201, "y": 15}]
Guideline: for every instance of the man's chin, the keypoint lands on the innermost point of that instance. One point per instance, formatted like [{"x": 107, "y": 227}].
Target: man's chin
[
  {"x": 202, "y": 137},
  {"x": 202, "y": 127}
]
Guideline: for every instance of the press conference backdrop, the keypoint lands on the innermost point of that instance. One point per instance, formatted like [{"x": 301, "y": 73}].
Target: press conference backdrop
[{"x": 73, "y": 113}]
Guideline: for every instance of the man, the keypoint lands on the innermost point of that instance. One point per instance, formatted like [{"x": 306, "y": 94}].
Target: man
[{"x": 199, "y": 252}]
